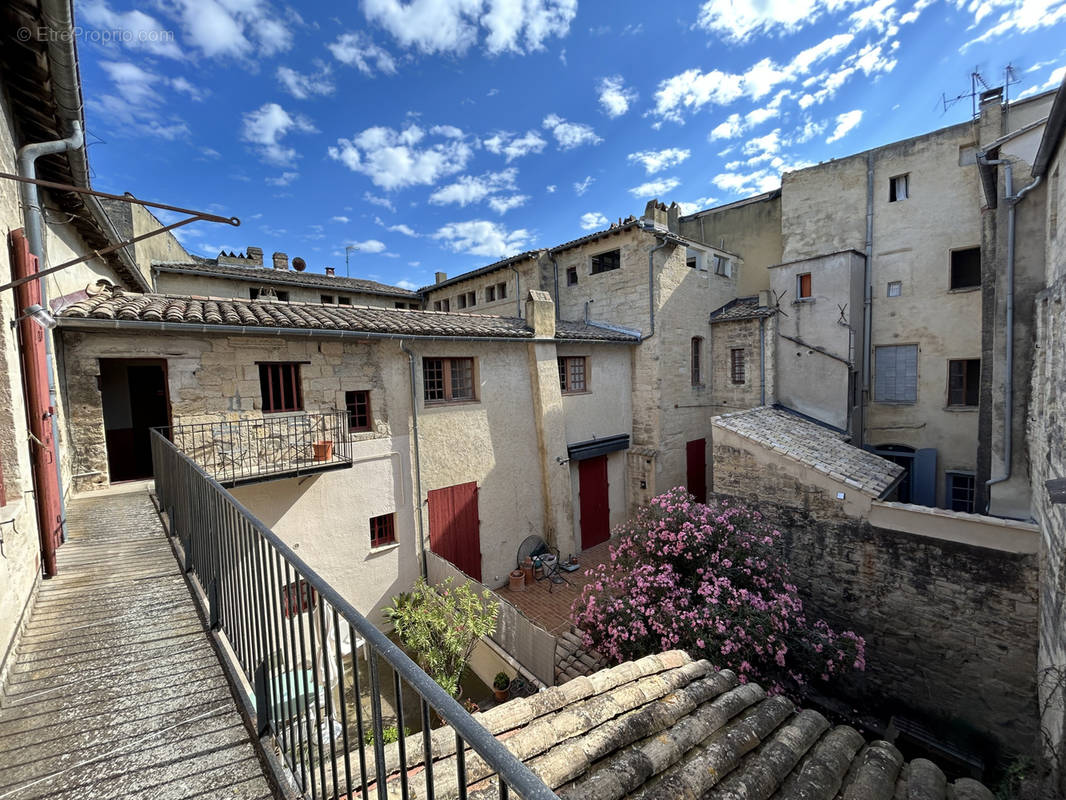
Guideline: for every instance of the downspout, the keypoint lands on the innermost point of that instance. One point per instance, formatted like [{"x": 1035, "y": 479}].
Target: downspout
[
  {"x": 651, "y": 285},
  {"x": 868, "y": 294},
  {"x": 762, "y": 361},
  {"x": 34, "y": 219},
  {"x": 555, "y": 271},
  {"x": 517, "y": 291},
  {"x": 418, "y": 462},
  {"x": 1008, "y": 388}
]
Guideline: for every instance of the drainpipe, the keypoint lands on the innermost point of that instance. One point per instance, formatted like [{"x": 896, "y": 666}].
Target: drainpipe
[
  {"x": 555, "y": 270},
  {"x": 1008, "y": 389},
  {"x": 418, "y": 462},
  {"x": 868, "y": 294},
  {"x": 29, "y": 195},
  {"x": 517, "y": 290},
  {"x": 651, "y": 280},
  {"x": 762, "y": 361}
]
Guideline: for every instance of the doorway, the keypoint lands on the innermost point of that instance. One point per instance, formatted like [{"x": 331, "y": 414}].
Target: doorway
[
  {"x": 455, "y": 526},
  {"x": 595, "y": 504},
  {"x": 696, "y": 469},
  {"x": 135, "y": 400}
]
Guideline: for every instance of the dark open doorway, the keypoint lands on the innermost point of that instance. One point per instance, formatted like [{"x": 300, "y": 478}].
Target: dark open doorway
[{"x": 135, "y": 399}]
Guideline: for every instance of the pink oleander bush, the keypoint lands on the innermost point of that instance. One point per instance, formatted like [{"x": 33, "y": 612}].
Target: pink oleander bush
[{"x": 710, "y": 579}]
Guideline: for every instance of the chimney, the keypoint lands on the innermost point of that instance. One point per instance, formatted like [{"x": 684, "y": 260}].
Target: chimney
[
  {"x": 655, "y": 212},
  {"x": 255, "y": 254},
  {"x": 281, "y": 261},
  {"x": 540, "y": 314},
  {"x": 764, "y": 298},
  {"x": 673, "y": 215},
  {"x": 330, "y": 272},
  {"x": 440, "y": 277}
]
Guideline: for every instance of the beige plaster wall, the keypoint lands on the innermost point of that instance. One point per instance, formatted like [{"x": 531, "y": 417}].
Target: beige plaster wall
[{"x": 511, "y": 306}]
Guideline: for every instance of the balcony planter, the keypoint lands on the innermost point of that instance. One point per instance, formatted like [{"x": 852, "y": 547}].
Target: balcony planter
[
  {"x": 323, "y": 450},
  {"x": 501, "y": 687},
  {"x": 517, "y": 581}
]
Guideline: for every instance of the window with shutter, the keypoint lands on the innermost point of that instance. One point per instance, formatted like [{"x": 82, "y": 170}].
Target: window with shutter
[{"x": 896, "y": 373}]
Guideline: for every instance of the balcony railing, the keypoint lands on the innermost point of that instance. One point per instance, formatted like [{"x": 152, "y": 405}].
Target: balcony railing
[
  {"x": 318, "y": 701},
  {"x": 240, "y": 451}
]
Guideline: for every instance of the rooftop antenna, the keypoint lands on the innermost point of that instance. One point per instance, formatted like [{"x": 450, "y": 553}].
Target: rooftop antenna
[
  {"x": 975, "y": 81},
  {"x": 1009, "y": 79},
  {"x": 347, "y": 251}
]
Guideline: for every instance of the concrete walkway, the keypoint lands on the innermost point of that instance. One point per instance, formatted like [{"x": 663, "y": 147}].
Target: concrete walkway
[{"x": 116, "y": 691}]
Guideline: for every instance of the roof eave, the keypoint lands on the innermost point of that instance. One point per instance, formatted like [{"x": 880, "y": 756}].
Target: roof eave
[{"x": 1053, "y": 132}]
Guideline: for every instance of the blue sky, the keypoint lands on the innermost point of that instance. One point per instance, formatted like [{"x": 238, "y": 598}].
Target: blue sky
[{"x": 444, "y": 134}]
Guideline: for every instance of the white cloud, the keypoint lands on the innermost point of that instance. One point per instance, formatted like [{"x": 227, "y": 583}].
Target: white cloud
[
  {"x": 697, "y": 205},
  {"x": 550, "y": 189},
  {"x": 358, "y": 50},
  {"x": 507, "y": 145},
  {"x": 186, "y": 87},
  {"x": 406, "y": 230},
  {"x": 454, "y": 26},
  {"x": 369, "y": 246},
  {"x": 342, "y": 220},
  {"x": 615, "y": 97},
  {"x": 392, "y": 158},
  {"x": 593, "y": 220},
  {"x": 469, "y": 189},
  {"x": 384, "y": 202},
  {"x": 740, "y": 20},
  {"x": 1021, "y": 16},
  {"x": 406, "y": 284},
  {"x": 570, "y": 134},
  {"x": 135, "y": 106},
  {"x": 760, "y": 180},
  {"x": 580, "y": 187},
  {"x": 145, "y": 32},
  {"x": 845, "y": 122},
  {"x": 658, "y": 160},
  {"x": 240, "y": 29},
  {"x": 480, "y": 237},
  {"x": 302, "y": 86},
  {"x": 809, "y": 131},
  {"x": 284, "y": 179},
  {"x": 729, "y": 129},
  {"x": 763, "y": 148},
  {"x": 655, "y": 188},
  {"x": 502, "y": 204},
  {"x": 267, "y": 126},
  {"x": 1054, "y": 79}
]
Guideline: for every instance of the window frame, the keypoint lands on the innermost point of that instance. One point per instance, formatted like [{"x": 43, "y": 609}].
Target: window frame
[
  {"x": 444, "y": 306},
  {"x": 597, "y": 258},
  {"x": 382, "y": 530},
  {"x": 899, "y": 289},
  {"x": 566, "y": 375},
  {"x": 266, "y": 385},
  {"x": 490, "y": 293},
  {"x": 917, "y": 373},
  {"x": 351, "y": 403},
  {"x": 893, "y": 192},
  {"x": 343, "y": 301},
  {"x": 327, "y": 299},
  {"x": 447, "y": 381},
  {"x": 800, "y": 296},
  {"x": 949, "y": 490},
  {"x": 738, "y": 366},
  {"x": 965, "y": 383},
  {"x": 952, "y": 287},
  {"x": 571, "y": 276},
  {"x": 501, "y": 290},
  {"x": 696, "y": 360}
]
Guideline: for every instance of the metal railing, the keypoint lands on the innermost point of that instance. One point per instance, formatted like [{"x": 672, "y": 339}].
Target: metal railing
[
  {"x": 266, "y": 448},
  {"x": 297, "y": 643}
]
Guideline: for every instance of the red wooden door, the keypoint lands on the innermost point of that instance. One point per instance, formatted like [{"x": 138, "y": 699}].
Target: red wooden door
[
  {"x": 595, "y": 507},
  {"x": 696, "y": 467},
  {"x": 454, "y": 526},
  {"x": 38, "y": 406}
]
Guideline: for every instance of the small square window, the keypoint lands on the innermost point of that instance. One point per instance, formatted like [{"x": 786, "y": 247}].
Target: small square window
[
  {"x": 898, "y": 188},
  {"x": 501, "y": 291},
  {"x": 960, "y": 491},
  {"x": 965, "y": 268},
  {"x": 736, "y": 365},
  {"x": 327, "y": 299},
  {"x": 447, "y": 380},
  {"x": 382, "y": 530},
  {"x": 964, "y": 381},
  {"x": 692, "y": 258},
  {"x": 571, "y": 276},
  {"x": 280, "y": 387},
  {"x": 573, "y": 374},
  {"x": 723, "y": 266},
  {"x": 358, "y": 404},
  {"x": 442, "y": 305},
  {"x": 895, "y": 288},
  {"x": 490, "y": 294},
  {"x": 803, "y": 286},
  {"x": 604, "y": 262},
  {"x": 344, "y": 301}
]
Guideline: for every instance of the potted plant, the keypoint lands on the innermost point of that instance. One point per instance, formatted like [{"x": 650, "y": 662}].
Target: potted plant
[
  {"x": 501, "y": 686},
  {"x": 323, "y": 449}
]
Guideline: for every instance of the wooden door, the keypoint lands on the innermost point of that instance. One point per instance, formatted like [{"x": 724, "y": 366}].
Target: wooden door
[
  {"x": 696, "y": 468},
  {"x": 454, "y": 526},
  {"x": 595, "y": 506}
]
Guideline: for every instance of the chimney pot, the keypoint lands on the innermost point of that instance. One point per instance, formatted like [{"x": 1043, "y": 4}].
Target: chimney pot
[
  {"x": 255, "y": 254},
  {"x": 440, "y": 277},
  {"x": 540, "y": 314},
  {"x": 330, "y": 272},
  {"x": 281, "y": 261}
]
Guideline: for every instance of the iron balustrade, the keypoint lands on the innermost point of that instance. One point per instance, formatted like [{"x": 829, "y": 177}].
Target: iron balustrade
[
  {"x": 266, "y": 448},
  {"x": 297, "y": 643}
]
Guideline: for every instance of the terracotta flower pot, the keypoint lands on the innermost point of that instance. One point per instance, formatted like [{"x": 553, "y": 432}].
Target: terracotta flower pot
[
  {"x": 517, "y": 581},
  {"x": 323, "y": 451},
  {"x": 501, "y": 695},
  {"x": 527, "y": 569}
]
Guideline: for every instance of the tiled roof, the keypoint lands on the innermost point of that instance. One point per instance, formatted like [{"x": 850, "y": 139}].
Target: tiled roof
[
  {"x": 741, "y": 308},
  {"x": 117, "y": 305},
  {"x": 813, "y": 445},
  {"x": 670, "y": 727},
  {"x": 267, "y": 274}
]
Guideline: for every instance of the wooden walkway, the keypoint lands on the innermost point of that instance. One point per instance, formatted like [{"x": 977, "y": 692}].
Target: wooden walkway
[{"x": 116, "y": 691}]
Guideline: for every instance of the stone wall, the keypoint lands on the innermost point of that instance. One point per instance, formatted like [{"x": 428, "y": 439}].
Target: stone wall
[
  {"x": 182, "y": 285},
  {"x": 510, "y": 306},
  {"x": 743, "y": 334}
]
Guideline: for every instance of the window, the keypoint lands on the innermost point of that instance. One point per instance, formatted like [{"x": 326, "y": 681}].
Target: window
[
  {"x": 803, "y": 286},
  {"x": 604, "y": 262},
  {"x": 382, "y": 530},
  {"x": 896, "y": 373},
  {"x": 327, "y": 299},
  {"x": 693, "y": 258},
  {"x": 442, "y": 305},
  {"x": 966, "y": 268},
  {"x": 722, "y": 266},
  {"x": 572, "y": 374},
  {"x": 344, "y": 301},
  {"x": 501, "y": 291},
  {"x": 467, "y": 299},
  {"x": 697, "y": 371},
  {"x": 960, "y": 490},
  {"x": 447, "y": 380},
  {"x": 266, "y": 293},
  {"x": 736, "y": 365},
  {"x": 571, "y": 276},
  {"x": 895, "y": 288},
  {"x": 398, "y": 304},
  {"x": 280, "y": 385},
  {"x": 358, "y": 404},
  {"x": 898, "y": 188},
  {"x": 964, "y": 378},
  {"x": 490, "y": 294}
]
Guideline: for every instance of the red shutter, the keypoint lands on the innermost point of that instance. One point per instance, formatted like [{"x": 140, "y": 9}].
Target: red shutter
[
  {"x": 696, "y": 464},
  {"x": 454, "y": 527},
  {"x": 595, "y": 506}
]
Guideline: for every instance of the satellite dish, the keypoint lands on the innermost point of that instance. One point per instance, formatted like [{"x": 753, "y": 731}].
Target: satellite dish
[{"x": 299, "y": 264}]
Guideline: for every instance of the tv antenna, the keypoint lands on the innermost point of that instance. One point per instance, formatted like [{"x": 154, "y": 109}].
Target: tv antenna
[{"x": 977, "y": 86}]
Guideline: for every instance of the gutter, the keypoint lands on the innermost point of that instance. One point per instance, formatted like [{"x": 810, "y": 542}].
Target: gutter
[
  {"x": 418, "y": 463},
  {"x": 762, "y": 361},
  {"x": 651, "y": 276},
  {"x": 518, "y": 291},
  {"x": 868, "y": 294},
  {"x": 816, "y": 349},
  {"x": 159, "y": 267}
]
